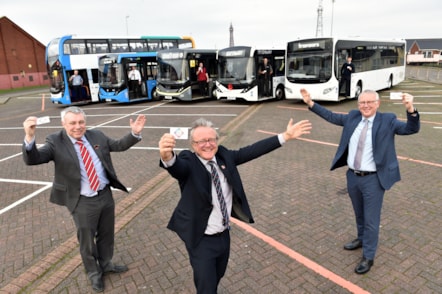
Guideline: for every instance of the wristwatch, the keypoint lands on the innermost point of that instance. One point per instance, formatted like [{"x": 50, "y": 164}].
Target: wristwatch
[{"x": 414, "y": 113}]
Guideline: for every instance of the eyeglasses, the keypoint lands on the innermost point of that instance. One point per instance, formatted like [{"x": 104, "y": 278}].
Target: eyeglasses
[
  {"x": 367, "y": 102},
  {"x": 201, "y": 143}
]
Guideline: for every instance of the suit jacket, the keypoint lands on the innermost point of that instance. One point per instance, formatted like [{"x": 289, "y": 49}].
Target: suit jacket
[
  {"x": 385, "y": 127},
  {"x": 59, "y": 149},
  {"x": 345, "y": 72},
  {"x": 190, "y": 217}
]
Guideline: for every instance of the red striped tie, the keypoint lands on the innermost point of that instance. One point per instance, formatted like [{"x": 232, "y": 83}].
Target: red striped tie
[{"x": 89, "y": 166}]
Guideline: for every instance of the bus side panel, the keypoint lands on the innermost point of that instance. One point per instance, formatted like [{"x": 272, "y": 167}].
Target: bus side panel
[{"x": 151, "y": 85}]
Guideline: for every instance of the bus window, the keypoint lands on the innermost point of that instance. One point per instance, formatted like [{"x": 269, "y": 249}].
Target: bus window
[
  {"x": 154, "y": 45},
  {"x": 137, "y": 46},
  {"x": 169, "y": 44},
  {"x": 119, "y": 45},
  {"x": 97, "y": 46},
  {"x": 74, "y": 47}
]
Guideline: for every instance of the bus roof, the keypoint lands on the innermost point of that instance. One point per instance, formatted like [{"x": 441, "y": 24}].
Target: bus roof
[{"x": 356, "y": 38}]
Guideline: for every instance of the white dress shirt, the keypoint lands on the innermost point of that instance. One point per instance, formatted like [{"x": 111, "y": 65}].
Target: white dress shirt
[{"x": 367, "y": 162}]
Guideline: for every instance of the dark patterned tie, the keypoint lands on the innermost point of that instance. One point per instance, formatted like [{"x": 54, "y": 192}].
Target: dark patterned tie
[
  {"x": 219, "y": 193},
  {"x": 89, "y": 166},
  {"x": 361, "y": 143}
]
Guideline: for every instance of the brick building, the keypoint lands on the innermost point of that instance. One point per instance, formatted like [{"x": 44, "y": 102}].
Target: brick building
[
  {"x": 424, "y": 51},
  {"x": 22, "y": 58}
]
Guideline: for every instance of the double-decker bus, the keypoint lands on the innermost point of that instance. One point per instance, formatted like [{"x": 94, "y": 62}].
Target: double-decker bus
[
  {"x": 71, "y": 53},
  {"x": 315, "y": 64},
  {"x": 177, "y": 73},
  {"x": 115, "y": 81},
  {"x": 240, "y": 75}
]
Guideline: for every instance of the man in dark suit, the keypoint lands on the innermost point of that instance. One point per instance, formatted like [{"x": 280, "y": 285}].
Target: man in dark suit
[
  {"x": 92, "y": 206},
  {"x": 209, "y": 197},
  {"x": 347, "y": 69},
  {"x": 372, "y": 162}
]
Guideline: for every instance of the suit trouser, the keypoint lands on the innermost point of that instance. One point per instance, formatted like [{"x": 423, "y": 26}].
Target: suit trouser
[
  {"x": 345, "y": 81},
  {"x": 94, "y": 218},
  {"x": 76, "y": 93},
  {"x": 209, "y": 262},
  {"x": 367, "y": 195}
]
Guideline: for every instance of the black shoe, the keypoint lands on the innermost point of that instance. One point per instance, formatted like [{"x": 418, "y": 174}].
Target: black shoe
[
  {"x": 116, "y": 269},
  {"x": 355, "y": 244},
  {"x": 364, "y": 266},
  {"x": 97, "y": 283}
]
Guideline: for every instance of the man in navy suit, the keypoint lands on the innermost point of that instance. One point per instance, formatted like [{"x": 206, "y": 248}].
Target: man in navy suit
[
  {"x": 378, "y": 166},
  {"x": 198, "y": 217},
  {"x": 93, "y": 210}
]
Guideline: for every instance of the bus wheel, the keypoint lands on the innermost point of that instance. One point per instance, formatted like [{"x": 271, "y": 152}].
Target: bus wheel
[
  {"x": 155, "y": 95},
  {"x": 212, "y": 92},
  {"x": 279, "y": 93},
  {"x": 358, "y": 90}
]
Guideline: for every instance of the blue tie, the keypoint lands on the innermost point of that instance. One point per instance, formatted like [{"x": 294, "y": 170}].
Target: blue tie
[{"x": 219, "y": 193}]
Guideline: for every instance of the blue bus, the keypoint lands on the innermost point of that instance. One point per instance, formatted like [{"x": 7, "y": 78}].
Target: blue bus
[
  {"x": 116, "y": 84},
  {"x": 66, "y": 54}
]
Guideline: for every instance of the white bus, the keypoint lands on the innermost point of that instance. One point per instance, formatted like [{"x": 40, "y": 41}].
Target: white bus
[
  {"x": 238, "y": 74},
  {"x": 315, "y": 64}
]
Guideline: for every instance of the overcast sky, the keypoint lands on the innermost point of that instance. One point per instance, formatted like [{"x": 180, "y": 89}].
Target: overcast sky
[{"x": 264, "y": 24}]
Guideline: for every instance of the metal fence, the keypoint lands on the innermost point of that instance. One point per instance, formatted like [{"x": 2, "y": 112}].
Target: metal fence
[{"x": 424, "y": 73}]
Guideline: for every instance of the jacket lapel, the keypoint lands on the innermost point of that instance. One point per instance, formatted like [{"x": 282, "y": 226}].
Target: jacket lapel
[{"x": 70, "y": 147}]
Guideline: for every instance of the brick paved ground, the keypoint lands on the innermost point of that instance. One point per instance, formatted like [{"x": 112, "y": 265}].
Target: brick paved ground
[{"x": 295, "y": 199}]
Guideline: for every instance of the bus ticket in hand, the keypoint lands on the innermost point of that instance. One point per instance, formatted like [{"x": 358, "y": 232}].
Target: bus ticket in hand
[
  {"x": 395, "y": 95},
  {"x": 180, "y": 133},
  {"x": 43, "y": 120}
]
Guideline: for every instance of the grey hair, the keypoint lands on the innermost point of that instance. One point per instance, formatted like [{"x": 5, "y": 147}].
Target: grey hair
[
  {"x": 202, "y": 122},
  {"x": 370, "y": 92},
  {"x": 72, "y": 109}
]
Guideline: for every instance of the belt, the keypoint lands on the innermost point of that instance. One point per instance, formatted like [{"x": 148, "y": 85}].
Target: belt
[
  {"x": 99, "y": 193},
  {"x": 360, "y": 173},
  {"x": 216, "y": 234}
]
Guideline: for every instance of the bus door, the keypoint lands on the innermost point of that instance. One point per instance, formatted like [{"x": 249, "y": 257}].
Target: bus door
[
  {"x": 133, "y": 69},
  {"x": 265, "y": 80},
  {"x": 56, "y": 75},
  {"x": 79, "y": 93},
  {"x": 151, "y": 69},
  {"x": 209, "y": 62},
  {"x": 93, "y": 86}
]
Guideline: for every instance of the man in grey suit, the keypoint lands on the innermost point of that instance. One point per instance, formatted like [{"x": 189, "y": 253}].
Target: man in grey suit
[
  {"x": 372, "y": 162},
  {"x": 209, "y": 198},
  {"x": 92, "y": 206}
]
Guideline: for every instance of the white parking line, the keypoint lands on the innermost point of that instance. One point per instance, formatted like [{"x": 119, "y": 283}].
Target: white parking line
[
  {"x": 46, "y": 185},
  {"x": 119, "y": 116}
]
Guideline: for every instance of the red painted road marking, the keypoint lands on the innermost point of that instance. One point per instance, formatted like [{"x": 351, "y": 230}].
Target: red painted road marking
[{"x": 301, "y": 259}]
